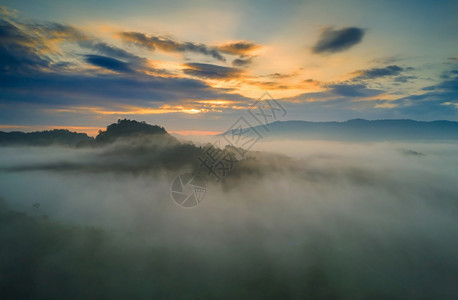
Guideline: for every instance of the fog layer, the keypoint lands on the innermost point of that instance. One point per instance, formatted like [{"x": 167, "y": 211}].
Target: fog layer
[{"x": 293, "y": 220}]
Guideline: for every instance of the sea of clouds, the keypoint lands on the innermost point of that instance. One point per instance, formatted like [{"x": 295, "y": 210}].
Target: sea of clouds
[{"x": 297, "y": 219}]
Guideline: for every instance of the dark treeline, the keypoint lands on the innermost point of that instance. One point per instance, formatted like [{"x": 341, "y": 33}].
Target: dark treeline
[
  {"x": 122, "y": 129},
  {"x": 126, "y": 146},
  {"x": 44, "y": 138}
]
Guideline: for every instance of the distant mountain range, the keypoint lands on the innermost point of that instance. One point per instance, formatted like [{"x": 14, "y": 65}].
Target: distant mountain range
[
  {"x": 352, "y": 130},
  {"x": 360, "y": 130}
]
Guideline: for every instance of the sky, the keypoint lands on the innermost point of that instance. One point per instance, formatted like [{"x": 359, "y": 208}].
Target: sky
[{"x": 194, "y": 67}]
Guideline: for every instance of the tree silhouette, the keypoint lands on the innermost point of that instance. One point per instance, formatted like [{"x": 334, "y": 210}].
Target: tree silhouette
[{"x": 128, "y": 128}]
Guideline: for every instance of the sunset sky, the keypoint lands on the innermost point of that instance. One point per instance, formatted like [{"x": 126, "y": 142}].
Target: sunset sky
[{"x": 194, "y": 66}]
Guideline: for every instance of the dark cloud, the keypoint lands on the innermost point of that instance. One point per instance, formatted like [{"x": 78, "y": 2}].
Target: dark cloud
[
  {"x": 62, "y": 65},
  {"x": 239, "y": 48},
  {"x": 279, "y": 75},
  {"x": 168, "y": 45},
  {"x": 379, "y": 72},
  {"x": 108, "y": 63},
  {"x": 409, "y": 152},
  {"x": 74, "y": 89},
  {"x": 18, "y": 52},
  {"x": 212, "y": 71},
  {"x": 23, "y": 45},
  {"x": 109, "y": 50},
  {"x": 332, "y": 41},
  {"x": 353, "y": 90},
  {"x": 449, "y": 74},
  {"x": 449, "y": 85},
  {"x": 242, "y": 62},
  {"x": 404, "y": 79},
  {"x": 429, "y": 106},
  {"x": 440, "y": 101},
  {"x": 388, "y": 59}
]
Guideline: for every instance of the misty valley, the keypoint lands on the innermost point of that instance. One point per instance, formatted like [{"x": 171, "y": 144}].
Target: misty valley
[{"x": 296, "y": 218}]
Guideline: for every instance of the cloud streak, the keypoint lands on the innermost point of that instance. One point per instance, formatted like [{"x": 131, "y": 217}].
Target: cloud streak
[
  {"x": 209, "y": 71},
  {"x": 374, "y": 73},
  {"x": 153, "y": 42},
  {"x": 338, "y": 40},
  {"x": 239, "y": 48},
  {"x": 108, "y": 63},
  {"x": 242, "y": 62}
]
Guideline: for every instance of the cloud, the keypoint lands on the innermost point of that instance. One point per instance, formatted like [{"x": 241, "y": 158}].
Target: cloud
[
  {"x": 332, "y": 41},
  {"x": 37, "y": 72},
  {"x": 449, "y": 85},
  {"x": 106, "y": 49},
  {"x": 45, "y": 63},
  {"x": 73, "y": 89},
  {"x": 239, "y": 48},
  {"x": 108, "y": 63},
  {"x": 388, "y": 59},
  {"x": 280, "y": 75},
  {"x": 210, "y": 71},
  {"x": 17, "y": 50},
  {"x": 242, "y": 62},
  {"x": 66, "y": 33},
  {"x": 404, "y": 79},
  {"x": 440, "y": 101},
  {"x": 7, "y": 12},
  {"x": 56, "y": 31},
  {"x": 379, "y": 72},
  {"x": 353, "y": 90},
  {"x": 29, "y": 46},
  {"x": 168, "y": 45}
]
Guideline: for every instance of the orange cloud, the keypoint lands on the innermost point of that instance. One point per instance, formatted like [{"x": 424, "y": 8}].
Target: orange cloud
[
  {"x": 133, "y": 110},
  {"x": 239, "y": 48}
]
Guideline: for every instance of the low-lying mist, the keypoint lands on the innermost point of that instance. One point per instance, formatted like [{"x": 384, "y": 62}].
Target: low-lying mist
[{"x": 294, "y": 220}]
